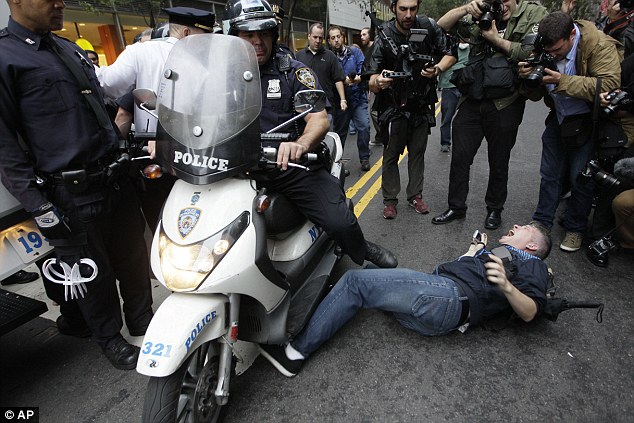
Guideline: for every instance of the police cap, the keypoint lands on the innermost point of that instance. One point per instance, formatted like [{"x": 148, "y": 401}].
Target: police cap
[{"x": 188, "y": 16}]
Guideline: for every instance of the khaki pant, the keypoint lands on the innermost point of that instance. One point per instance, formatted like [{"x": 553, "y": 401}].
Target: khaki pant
[{"x": 623, "y": 207}]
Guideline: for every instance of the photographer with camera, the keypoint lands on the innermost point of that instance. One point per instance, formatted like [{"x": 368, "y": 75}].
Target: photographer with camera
[
  {"x": 405, "y": 104},
  {"x": 616, "y": 203},
  {"x": 582, "y": 54},
  {"x": 622, "y": 235},
  {"x": 491, "y": 106},
  {"x": 619, "y": 23}
]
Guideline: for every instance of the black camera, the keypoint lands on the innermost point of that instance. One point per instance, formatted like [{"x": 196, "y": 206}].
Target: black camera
[
  {"x": 618, "y": 100},
  {"x": 491, "y": 11},
  {"x": 593, "y": 171},
  {"x": 539, "y": 61},
  {"x": 602, "y": 246}
]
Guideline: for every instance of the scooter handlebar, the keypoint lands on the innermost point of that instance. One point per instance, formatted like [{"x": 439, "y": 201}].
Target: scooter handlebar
[{"x": 276, "y": 137}]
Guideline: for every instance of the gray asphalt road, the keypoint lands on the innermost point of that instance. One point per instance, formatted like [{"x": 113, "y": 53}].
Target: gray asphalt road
[{"x": 572, "y": 370}]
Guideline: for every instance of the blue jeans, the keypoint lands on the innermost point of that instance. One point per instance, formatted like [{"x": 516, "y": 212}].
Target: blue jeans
[
  {"x": 448, "y": 106},
  {"x": 427, "y": 304},
  {"x": 361, "y": 118},
  {"x": 556, "y": 160}
]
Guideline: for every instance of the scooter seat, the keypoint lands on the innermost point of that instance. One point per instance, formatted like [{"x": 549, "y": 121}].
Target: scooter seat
[{"x": 282, "y": 216}]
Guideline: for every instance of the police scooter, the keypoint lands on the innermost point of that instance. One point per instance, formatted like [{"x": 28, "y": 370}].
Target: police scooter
[{"x": 242, "y": 263}]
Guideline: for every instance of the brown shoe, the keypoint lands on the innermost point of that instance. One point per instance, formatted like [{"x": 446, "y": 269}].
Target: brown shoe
[
  {"x": 389, "y": 211},
  {"x": 419, "y": 205}
]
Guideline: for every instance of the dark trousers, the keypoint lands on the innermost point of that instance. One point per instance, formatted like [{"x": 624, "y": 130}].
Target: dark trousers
[
  {"x": 114, "y": 233},
  {"x": 319, "y": 196},
  {"x": 474, "y": 121},
  {"x": 448, "y": 106},
  {"x": 557, "y": 164},
  {"x": 402, "y": 133}
]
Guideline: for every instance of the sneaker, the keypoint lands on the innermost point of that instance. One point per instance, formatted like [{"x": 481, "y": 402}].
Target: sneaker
[
  {"x": 376, "y": 142},
  {"x": 365, "y": 165},
  {"x": 389, "y": 211},
  {"x": 572, "y": 241},
  {"x": 444, "y": 148},
  {"x": 276, "y": 355},
  {"x": 418, "y": 204},
  {"x": 352, "y": 133}
]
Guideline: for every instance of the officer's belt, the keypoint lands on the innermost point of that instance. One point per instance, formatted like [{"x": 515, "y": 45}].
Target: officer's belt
[{"x": 91, "y": 174}]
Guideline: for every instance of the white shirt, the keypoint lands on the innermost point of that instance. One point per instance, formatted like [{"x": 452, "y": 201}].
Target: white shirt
[{"x": 140, "y": 65}]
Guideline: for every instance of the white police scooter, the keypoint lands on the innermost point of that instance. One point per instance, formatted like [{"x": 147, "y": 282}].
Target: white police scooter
[{"x": 242, "y": 264}]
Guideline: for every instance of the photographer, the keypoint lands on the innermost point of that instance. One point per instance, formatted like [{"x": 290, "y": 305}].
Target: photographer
[
  {"x": 581, "y": 54},
  {"x": 405, "y": 105},
  {"x": 623, "y": 208},
  {"x": 616, "y": 205},
  {"x": 491, "y": 106},
  {"x": 619, "y": 23}
]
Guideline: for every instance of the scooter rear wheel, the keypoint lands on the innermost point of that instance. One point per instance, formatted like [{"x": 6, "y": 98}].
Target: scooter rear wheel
[{"x": 186, "y": 395}]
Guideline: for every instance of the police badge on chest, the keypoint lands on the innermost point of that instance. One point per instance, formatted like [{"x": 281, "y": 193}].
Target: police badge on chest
[{"x": 274, "y": 90}]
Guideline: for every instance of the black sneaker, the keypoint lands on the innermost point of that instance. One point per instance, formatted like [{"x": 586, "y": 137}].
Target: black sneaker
[
  {"x": 380, "y": 256},
  {"x": 276, "y": 355}
]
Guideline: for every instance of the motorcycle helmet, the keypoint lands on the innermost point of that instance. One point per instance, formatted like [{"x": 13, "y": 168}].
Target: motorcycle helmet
[{"x": 249, "y": 15}]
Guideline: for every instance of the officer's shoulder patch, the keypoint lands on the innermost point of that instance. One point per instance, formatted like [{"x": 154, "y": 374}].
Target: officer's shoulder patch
[{"x": 306, "y": 77}]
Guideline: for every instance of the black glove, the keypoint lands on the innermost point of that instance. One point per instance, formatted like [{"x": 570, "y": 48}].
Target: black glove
[{"x": 51, "y": 223}]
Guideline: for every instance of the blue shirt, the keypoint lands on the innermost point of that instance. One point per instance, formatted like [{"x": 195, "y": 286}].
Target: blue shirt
[
  {"x": 41, "y": 103},
  {"x": 351, "y": 60},
  {"x": 566, "y": 105}
]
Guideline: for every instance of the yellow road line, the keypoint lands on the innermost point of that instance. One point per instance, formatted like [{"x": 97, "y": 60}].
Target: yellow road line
[{"x": 376, "y": 186}]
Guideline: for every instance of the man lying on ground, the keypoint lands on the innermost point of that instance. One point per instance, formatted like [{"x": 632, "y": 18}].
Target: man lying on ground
[{"x": 459, "y": 294}]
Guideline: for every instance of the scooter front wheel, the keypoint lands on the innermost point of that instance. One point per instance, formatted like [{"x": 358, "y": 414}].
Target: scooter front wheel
[{"x": 187, "y": 395}]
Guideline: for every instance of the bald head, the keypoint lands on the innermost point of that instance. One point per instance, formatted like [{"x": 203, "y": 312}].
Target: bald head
[{"x": 39, "y": 16}]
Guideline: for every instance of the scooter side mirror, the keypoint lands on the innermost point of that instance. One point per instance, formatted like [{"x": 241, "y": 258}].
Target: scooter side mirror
[
  {"x": 144, "y": 98},
  {"x": 310, "y": 100}
]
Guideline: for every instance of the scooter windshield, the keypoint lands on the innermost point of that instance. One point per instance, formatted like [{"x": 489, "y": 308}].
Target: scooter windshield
[{"x": 209, "y": 102}]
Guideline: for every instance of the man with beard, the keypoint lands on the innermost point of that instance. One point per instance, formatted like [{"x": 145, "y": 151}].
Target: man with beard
[{"x": 406, "y": 109}]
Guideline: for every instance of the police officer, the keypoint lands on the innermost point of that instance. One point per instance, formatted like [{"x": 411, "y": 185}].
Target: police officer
[
  {"x": 141, "y": 65},
  {"x": 57, "y": 157},
  {"x": 316, "y": 193}
]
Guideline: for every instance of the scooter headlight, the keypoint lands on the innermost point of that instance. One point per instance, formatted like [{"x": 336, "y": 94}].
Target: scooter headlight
[{"x": 185, "y": 267}]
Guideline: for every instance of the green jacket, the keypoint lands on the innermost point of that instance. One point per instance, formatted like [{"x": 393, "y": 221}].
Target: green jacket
[
  {"x": 525, "y": 20},
  {"x": 598, "y": 56}
]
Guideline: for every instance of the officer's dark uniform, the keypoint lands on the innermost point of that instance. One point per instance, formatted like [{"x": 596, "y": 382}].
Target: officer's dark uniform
[
  {"x": 316, "y": 193},
  {"x": 41, "y": 103}
]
